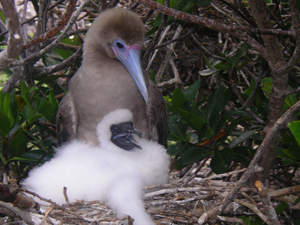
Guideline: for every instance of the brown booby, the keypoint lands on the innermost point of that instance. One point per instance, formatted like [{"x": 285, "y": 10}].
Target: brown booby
[{"x": 110, "y": 78}]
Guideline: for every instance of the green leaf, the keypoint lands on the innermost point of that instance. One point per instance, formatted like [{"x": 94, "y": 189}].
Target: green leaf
[
  {"x": 202, "y": 2},
  {"x": 290, "y": 100},
  {"x": 191, "y": 92},
  {"x": 252, "y": 220},
  {"x": 207, "y": 72},
  {"x": 214, "y": 108},
  {"x": 242, "y": 50},
  {"x": 241, "y": 154},
  {"x": 266, "y": 86},
  {"x": 47, "y": 79},
  {"x": 5, "y": 125},
  {"x": 194, "y": 155},
  {"x": 70, "y": 41},
  {"x": 293, "y": 152},
  {"x": 282, "y": 206},
  {"x": 184, "y": 5},
  {"x": 241, "y": 138},
  {"x": 19, "y": 144},
  {"x": 177, "y": 99},
  {"x": 152, "y": 75},
  {"x": 176, "y": 149},
  {"x": 221, "y": 66},
  {"x": 227, "y": 94},
  {"x": 27, "y": 112},
  {"x": 31, "y": 156},
  {"x": 35, "y": 117},
  {"x": 194, "y": 121},
  {"x": 295, "y": 129},
  {"x": 3, "y": 18},
  {"x": 25, "y": 94},
  {"x": 232, "y": 62},
  {"x": 1, "y": 100},
  {"x": 228, "y": 115},
  {"x": 221, "y": 160},
  {"x": 7, "y": 109},
  {"x": 4, "y": 161},
  {"x": 52, "y": 98},
  {"x": 177, "y": 127},
  {"x": 14, "y": 105},
  {"x": 49, "y": 111},
  {"x": 297, "y": 201}
]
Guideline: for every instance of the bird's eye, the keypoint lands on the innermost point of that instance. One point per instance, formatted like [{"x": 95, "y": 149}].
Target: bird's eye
[{"x": 120, "y": 45}]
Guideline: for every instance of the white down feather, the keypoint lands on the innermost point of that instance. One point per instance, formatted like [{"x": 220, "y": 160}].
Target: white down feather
[{"x": 103, "y": 172}]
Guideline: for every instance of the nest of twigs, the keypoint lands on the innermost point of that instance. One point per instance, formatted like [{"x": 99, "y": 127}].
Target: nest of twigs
[{"x": 191, "y": 199}]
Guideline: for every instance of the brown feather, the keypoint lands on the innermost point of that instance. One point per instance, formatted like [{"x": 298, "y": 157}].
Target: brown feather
[
  {"x": 66, "y": 120},
  {"x": 102, "y": 84}
]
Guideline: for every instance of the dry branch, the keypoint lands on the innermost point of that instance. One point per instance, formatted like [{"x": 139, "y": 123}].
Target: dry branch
[
  {"x": 265, "y": 198},
  {"x": 39, "y": 54},
  {"x": 60, "y": 25},
  {"x": 14, "y": 43}
]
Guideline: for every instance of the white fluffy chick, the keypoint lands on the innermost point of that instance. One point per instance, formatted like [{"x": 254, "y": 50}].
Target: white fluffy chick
[{"x": 103, "y": 172}]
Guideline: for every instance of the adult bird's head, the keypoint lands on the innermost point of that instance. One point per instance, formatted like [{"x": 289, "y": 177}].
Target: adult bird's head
[{"x": 119, "y": 34}]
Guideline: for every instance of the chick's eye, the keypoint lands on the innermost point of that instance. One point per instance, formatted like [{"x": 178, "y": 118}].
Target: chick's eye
[{"x": 120, "y": 45}]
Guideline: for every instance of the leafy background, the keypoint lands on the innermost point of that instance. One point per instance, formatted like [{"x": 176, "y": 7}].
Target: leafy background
[{"x": 218, "y": 108}]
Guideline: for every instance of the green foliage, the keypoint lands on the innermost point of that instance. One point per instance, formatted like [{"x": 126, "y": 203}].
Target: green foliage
[
  {"x": 252, "y": 220},
  {"x": 26, "y": 131},
  {"x": 200, "y": 130},
  {"x": 266, "y": 86}
]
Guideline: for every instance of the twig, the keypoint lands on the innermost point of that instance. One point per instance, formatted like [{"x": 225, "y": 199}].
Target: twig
[
  {"x": 203, "y": 49},
  {"x": 15, "y": 37},
  {"x": 254, "y": 209},
  {"x": 291, "y": 91},
  {"x": 43, "y": 51},
  {"x": 164, "y": 34},
  {"x": 218, "y": 176},
  {"x": 155, "y": 39},
  {"x": 175, "y": 80},
  {"x": 228, "y": 219},
  {"x": 296, "y": 25},
  {"x": 20, "y": 213},
  {"x": 285, "y": 191},
  {"x": 163, "y": 202},
  {"x": 173, "y": 40},
  {"x": 269, "y": 210},
  {"x": 66, "y": 195},
  {"x": 47, "y": 213},
  {"x": 187, "y": 189},
  {"x": 236, "y": 91},
  {"x": 61, "y": 65},
  {"x": 238, "y": 31},
  {"x": 168, "y": 56}
]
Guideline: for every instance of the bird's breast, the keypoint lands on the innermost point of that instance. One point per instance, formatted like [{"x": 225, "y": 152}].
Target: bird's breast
[{"x": 98, "y": 89}]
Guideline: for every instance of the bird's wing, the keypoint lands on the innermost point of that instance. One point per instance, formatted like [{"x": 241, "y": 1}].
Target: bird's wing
[
  {"x": 66, "y": 120},
  {"x": 157, "y": 115}
]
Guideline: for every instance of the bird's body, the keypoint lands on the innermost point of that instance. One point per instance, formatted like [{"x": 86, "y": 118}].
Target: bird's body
[
  {"x": 103, "y": 172},
  {"x": 92, "y": 110},
  {"x": 111, "y": 78}
]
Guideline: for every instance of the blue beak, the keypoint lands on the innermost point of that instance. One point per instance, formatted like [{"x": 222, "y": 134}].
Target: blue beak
[{"x": 130, "y": 58}]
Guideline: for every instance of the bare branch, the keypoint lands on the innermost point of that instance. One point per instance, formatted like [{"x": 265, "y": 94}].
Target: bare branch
[
  {"x": 281, "y": 122},
  {"x": 296, "y": 25},
  {"x": 63, "y": 34},
  {"x": 61, "y": 65},
  {"x": 51, "y": 33},
  {"x": 238, "y": 31},
  {"x": 265, "y": 198},
  {"x": 14, "y": 43}
]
